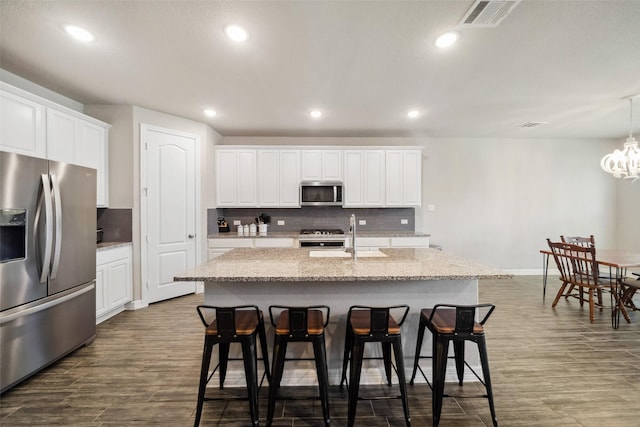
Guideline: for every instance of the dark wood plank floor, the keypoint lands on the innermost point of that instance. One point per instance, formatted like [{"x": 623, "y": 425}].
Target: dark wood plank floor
[{"x": 550, "y": 367}]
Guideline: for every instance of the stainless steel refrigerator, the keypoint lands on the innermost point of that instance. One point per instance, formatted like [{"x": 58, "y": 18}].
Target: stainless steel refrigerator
[{"x": 47, "y": 263}]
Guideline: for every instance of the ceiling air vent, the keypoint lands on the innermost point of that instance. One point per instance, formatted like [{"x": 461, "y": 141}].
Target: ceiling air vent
[
  {"x": 532, "y": 124},
  {"x": 487, "y": 13}
]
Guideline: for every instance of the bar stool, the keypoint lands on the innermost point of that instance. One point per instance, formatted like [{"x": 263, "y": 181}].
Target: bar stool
[
  {"x": 373, "y": 324},
  {"x": 300, "y": 324},
  {"x": 225, "y": 325},
  {"x": 453, "y": 323}
]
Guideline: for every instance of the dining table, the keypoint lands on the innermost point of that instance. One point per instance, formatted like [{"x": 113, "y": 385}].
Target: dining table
[{"x": 616, "y": 262}]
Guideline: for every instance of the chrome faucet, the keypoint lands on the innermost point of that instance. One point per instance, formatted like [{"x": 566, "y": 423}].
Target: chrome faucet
[{"x": 352, "y": 230}]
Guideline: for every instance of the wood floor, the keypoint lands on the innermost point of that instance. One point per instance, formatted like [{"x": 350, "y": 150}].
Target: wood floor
[{"x": 550, "y": 367}]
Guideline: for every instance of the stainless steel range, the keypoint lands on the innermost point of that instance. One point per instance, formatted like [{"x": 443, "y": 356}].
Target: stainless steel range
[{"x": 321, "y": 238}]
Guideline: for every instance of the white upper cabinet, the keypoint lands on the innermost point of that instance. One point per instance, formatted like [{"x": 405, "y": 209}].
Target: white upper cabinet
[
  {"x": 255, "y": 176},
  {"x": 321, "y": 165},
  {"x": 268, "y": 177},
  {"x": 22, "y": 127},
  {"x": 236, "y": 183},
  {"x": 403, "y": 178},
  {"x": 62, "y": 137},
  {"x": 38, "y": 127},
  {"x": 364, "y": 184},
  {"x": 93, "y": 153},
  {"x": 77, "y": 140},
  {"x": 258, "y": 178},
  {"x": 289, "y": 179}
]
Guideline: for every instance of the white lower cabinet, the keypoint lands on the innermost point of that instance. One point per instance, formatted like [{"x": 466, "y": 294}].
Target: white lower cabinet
[
  {"x": 410, "y": 242},
  {"x": 273, "y": 243},
  {"x": 219, "y": 246},
  {"x": 113, "y": 281},
  {"x": 370, "y": 242}
]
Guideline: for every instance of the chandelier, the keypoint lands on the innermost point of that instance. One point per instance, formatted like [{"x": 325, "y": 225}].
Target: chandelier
[{"x": 626, "y": 163}]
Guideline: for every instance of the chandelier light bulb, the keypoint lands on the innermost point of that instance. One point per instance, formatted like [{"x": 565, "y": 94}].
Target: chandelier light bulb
[{"x": 624, "y": 163}]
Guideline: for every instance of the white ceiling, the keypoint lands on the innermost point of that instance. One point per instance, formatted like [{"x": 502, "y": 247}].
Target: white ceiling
[{"x": 364, "y": 63}]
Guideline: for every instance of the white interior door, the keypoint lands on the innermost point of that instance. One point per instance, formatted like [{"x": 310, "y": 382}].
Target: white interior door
[{"x": 171, "y": 211}]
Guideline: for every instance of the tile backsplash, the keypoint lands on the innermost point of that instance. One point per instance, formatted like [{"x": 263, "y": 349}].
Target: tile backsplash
[
  {"x": 377, "y": 219},
  {"x": 116, "y": 224}
]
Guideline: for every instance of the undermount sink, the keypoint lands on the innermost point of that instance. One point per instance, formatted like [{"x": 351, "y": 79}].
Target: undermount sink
[{"x": 375, "y": 253}]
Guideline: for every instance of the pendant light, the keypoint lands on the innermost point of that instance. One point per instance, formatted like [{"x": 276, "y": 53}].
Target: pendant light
[{"x": 626, "y": 163}]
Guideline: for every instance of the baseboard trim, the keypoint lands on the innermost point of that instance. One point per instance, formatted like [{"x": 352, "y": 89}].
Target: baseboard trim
[{"x": 135, "y": 305}]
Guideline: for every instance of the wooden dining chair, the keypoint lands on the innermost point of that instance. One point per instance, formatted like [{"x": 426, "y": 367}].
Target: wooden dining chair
[
  {"x": 578, "y": 267},
  {"x": 585, "y": 242}
]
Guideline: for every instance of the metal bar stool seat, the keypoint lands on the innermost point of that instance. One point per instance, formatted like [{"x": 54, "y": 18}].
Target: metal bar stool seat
[
  {"x": 453, "y": 323},
  {"x": 300, "y": 324},
  {"x": 373, "y": 324},
  {"x": 226, "y": 325}
]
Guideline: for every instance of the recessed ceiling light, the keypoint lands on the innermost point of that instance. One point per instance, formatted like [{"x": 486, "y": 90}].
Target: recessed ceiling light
[
  {"x": 316, "y": 114},
  {"x": 79, "y": 34},
  {"x": 413, "y": 114},
  {"x": 447, "y": 39},
  {"x": 209, "y": 112},
  {"x": 236, "y": 33}
]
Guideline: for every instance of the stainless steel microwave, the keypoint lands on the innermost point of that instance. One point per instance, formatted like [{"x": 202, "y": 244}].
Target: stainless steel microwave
[{"x": 321, "y": 193}]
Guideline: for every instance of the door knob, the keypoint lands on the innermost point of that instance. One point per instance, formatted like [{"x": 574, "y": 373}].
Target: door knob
[{"x": 191, "y": 236}]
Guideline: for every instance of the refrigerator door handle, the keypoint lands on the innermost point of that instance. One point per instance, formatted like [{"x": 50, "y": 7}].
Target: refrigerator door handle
[
  {"x": 48, "y": 223},
  {"x": 58, "y": 232}
]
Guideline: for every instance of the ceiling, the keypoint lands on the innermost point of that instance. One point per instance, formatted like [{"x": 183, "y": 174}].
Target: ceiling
[{"x": 363, "y": 63}]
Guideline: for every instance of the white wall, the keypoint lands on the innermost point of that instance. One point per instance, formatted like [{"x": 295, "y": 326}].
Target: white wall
[
  {"x": 497, "y": 200},
  {"x": 628, "y": 215},
  {"x": 121, "y": 166}
]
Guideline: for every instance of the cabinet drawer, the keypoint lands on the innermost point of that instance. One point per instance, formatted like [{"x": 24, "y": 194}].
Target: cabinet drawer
[
  {"x": 372, "y": 242},
  {"x": 273, "y": 243},
  {"x": 410, "y": 242},
  {"x": 231, "y": 243},
  {"x": 106, "y": 256}
]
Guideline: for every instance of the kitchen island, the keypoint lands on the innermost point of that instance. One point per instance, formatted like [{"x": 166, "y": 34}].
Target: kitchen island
[{"x": 420, "y": 278}]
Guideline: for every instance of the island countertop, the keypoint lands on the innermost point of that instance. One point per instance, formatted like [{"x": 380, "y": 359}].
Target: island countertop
[{"x": 293, "y": 264}]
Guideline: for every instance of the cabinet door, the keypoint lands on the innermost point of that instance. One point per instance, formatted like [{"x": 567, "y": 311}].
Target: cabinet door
[
  {"x": 393, "y": 178},
  {"x": 101, "y": 300},
  {"x": 373, "y": 178},
  {"x": 247, "y": 187},
  {"x": 119, "y": 290},
  {"x": 353, "y": 178},
  {"x": 332, "y": 165},
  {"x": 289, "y": 179},
  {"x": 61, "y": 137},
  {"x": 412, "y": 177},
  {"x": 268, "y": 177},
  {"x": 404, "y": 176},
  {"x": 22, "y": 128},
  {"x": 93, "y": 153},
  {"x": 226, "y": 177},
  {"x": 311, "y": 165}
]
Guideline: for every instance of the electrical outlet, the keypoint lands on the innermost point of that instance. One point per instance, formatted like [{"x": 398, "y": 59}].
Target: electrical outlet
[
  {"x": 431, "y": 208},
  {"x": 362, "y": 222},
  {"x": 236, "y": 222},
  {"x": 281, "y": 222},
  {"x": 404, "y": 221}
]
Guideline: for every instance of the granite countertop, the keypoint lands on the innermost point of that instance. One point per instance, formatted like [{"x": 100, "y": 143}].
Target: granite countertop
[
  {"x": 291, "y": 264},
  {"x": 295, "y": 234},
  {"x": 271, "y": 234},
  {"x": 110, "y": 245}
]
